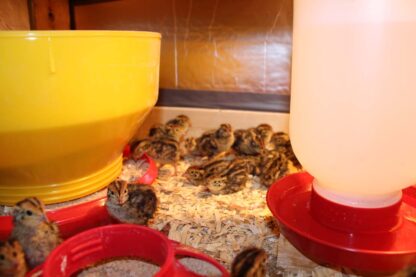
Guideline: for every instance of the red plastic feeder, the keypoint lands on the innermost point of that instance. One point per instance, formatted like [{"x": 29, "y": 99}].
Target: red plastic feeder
[
  {"x": 117, "y": 241},
  {"x": 367, "y": 241}
]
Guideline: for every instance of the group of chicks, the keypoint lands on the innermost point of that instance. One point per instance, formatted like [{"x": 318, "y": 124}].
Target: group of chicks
[
  {"x": 34, "y": 236},
  {"x": 135, "y": 203},
  {"x": 228, "y": 156},
  {"x": 32, "y": 239},
  {"x": 222, "y": 171}
]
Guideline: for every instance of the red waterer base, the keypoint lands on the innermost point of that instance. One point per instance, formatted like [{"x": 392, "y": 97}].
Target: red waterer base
[{"x": 366, "y": 241}]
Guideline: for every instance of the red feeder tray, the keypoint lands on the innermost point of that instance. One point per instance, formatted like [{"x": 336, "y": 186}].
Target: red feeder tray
[
  {"x": 123, "y": 240},
  {"x": 379, "y": 241},
  {"x": 77, "y": 218}
]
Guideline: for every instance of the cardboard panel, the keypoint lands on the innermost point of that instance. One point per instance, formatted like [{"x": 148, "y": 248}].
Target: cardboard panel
[
  {"x": 211, "y": 45},
  {"x": 14, "y": 15}
]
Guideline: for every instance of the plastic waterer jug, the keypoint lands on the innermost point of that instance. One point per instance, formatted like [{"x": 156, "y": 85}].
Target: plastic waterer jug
[
  {"x": 351, "y": 127},
  {"x": 353, "y": 98}
]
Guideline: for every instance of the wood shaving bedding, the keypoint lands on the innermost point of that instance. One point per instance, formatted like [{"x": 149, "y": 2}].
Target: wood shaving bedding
[
  {"x": 218, "y": 225},
  {"x": 223, "y": 225}
]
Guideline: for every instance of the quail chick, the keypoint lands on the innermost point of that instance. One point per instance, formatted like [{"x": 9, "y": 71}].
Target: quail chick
[
  {"x": 247, "y": 142},
  {"x": 131, "y": 203},
  {"x": 274, "y": 165},
  {"x": 279, "y": 139},
  {"x": 162, "y": 151},
  {"x": 249, "y": 263},
  {"x": 157, "y": 131},
  {"x": 12, "y": 259},
  {"x": 215, "y": 142},
  {"x": 141, "y": 146},
  {"x": 229, "y": 181},
  {"x": 188, "y": 147},
  {"x": 218, "y": 185},
  {"x": 253, "y": 164},
  {"x": 33, "y": 230},
  {"x": 177, "y": 127},
  {"x": 205, "y": 145},
  {"x": 223, "y": 138},
  {"x": 281, "y": 143},
  {"x": 197, "y": 175},
  {"x": 264, "y": 132},
  {"x": 292, "y": 157}
]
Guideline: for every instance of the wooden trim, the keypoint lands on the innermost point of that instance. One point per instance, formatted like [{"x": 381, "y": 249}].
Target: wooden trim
[
  {"x": 224, "y": 100},
  {"x": 49, "y": 14},
  {"x": 72, "y": 21},
  {"x": 89, "y": 2}
]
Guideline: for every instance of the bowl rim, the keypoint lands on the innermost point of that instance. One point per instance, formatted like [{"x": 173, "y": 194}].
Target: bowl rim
[{"x": 79, "y": 33}]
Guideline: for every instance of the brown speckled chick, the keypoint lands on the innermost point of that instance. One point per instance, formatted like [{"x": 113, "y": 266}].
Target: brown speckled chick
[
  {"x": 264, "y": 132},
  {"x": 223, "y": 138},
  {"x": 231, "y": 180},
  {"x": 197, "y": 174},
  {"x": 274, "y": 165},
  {"x": 177, "y": 127},
  {"x": 215, "y": 142},
  {"x": 131, "y": 203},
  {"x": 34, "y": 232},
  {"x": 157, "y": 131},
  {"x": 12, "y": 259},
  {"x": 253, "y": 164},
  {"x": 281, "y": 143},
  {"x": 247, "y": 142},
  {"x": 162, "y": 151},
  {"x": 205, "y": 145},
  {"x": 249, "y": 263},
  {"x": 189, "y": 147}
]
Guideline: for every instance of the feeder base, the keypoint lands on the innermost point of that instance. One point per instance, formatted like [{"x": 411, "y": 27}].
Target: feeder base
[{"x": 367, "y": 253}]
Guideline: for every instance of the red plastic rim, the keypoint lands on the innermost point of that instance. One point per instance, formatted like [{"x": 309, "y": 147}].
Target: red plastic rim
[
  {"x": 84, "y": 216},
  {"x": 112, "y": 241},
  {"x": 127, "y": 151},
  {"x": 383, "y": 252},
  {"x": 151, "y": 173},
  {"x": 123, "y": 240}
]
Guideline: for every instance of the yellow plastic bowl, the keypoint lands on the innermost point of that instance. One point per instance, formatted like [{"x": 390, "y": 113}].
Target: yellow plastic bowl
[{"x": 69, "y": 102}]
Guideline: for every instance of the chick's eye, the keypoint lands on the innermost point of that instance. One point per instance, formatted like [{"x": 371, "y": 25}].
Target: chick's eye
[
  {"x": 14, "y": 253},
  {"x": 1, "y": 257},
  {"x": 125, "y": 191},
  {"x": 29, "y": 213}
]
